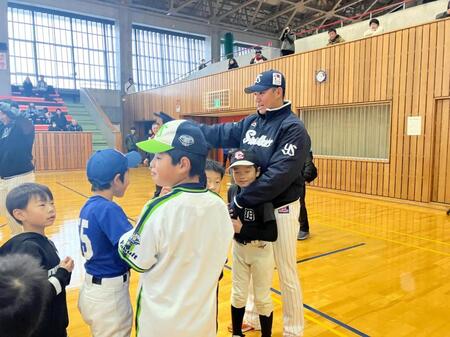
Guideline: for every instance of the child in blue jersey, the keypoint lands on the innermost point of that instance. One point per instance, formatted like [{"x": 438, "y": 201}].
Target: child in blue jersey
[{"x": 104, "y": 300}]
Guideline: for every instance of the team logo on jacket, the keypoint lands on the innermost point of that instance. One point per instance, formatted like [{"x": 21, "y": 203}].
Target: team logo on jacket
[
  {"x": 253, "y": 124},
  {"x": 262, "y": 141},
  {"x": 249, "y": 214},
  {"x": 186, "y": 140},
  {"x": 289, "y": 150},
  {"x": 239, "y": 155},
  {"x": 283, "y": 210}
]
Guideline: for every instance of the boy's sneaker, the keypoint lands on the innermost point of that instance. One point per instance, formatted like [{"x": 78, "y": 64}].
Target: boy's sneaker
[
  {"x": 245, "y": 327},
  {"x": 302, "y": 235}
]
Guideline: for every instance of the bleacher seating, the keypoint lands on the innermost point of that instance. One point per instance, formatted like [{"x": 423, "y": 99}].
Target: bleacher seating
[{"x": 40, "y": 103}]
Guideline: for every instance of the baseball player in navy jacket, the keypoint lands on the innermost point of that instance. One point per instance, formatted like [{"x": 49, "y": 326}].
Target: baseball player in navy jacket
[{"x": 281, "y": 143}]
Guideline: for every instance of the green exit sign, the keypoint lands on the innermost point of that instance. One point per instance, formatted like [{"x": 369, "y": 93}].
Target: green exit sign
[{"x": 217, "y": 103}]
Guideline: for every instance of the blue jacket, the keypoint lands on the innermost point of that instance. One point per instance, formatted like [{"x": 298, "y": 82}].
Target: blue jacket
[{"x": 281, "y": 144}]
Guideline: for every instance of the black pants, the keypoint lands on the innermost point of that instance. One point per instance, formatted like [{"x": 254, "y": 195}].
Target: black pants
[
  {"x": 287, "y": 52},
  {"x": 303, "y": 217}
]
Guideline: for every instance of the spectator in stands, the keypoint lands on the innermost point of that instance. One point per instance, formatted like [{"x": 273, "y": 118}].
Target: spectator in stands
[
  {"x": 232, "y": 63},
  {"x": 16, "y": 159},
  {"x": 48, "y": 116},
  {"x": 40, "y": 117},
  {"x": 131, "y": 140},
  {"x": 445, "y": 14},
  {"x": 374, "y": 29},
  {"x": 32, "y": 112},
  {"x": 259, "y": 57},
  {"x": 334, "y": 37},
  {"x": 27, "y": 87},
  {"x": 60, "y": 119},
  {"x": 129, "y": 86},
  {"x": 202, "y": 64},
  {"x": 42, "y": 86},
  {"x": 287, "y": 42},
  {"x": 74, "y": 126}
]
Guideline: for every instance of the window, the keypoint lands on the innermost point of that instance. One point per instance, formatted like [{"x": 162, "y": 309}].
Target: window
[
  {"x": 161, "y": 57},
  {"x": 238, "y": 49},
  {"x": 70, "y": 50},
  {"x": 360, "y": 131}
]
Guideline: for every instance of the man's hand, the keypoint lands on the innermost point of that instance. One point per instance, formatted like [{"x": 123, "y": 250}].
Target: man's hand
[{"x": 237, "y": 225}]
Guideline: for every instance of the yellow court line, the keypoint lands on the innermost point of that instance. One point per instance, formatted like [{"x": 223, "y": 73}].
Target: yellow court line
[
  {"x": 388, "y": 230},
  {"x": 389, "y": 240},
  {"x": 308, "y": 317}
]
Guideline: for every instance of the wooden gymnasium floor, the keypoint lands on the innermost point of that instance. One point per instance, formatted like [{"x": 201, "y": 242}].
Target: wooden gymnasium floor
[{"x": 370, "y": 268}]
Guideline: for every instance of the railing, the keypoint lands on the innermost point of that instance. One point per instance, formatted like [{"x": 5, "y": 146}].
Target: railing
[
  {"x": 354, "y": 18},
  {"x": 112, "y": 135}
]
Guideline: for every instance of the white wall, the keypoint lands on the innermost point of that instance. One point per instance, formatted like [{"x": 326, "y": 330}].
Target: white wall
[
  {"x": 242, "y": 60},
  {"x": 393, "y": 21}
]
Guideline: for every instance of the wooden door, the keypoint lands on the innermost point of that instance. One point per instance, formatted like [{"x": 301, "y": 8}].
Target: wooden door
[{"x": 441, "y": 167}]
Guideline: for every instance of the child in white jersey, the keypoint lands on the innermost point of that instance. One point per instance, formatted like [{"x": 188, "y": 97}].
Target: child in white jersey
[{"x": 181, "y": 240}]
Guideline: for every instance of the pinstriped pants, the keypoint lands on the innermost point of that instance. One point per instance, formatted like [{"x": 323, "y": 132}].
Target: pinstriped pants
[
  {"x": 285, "y": 253},
  {"x": 7, "y": 185}
]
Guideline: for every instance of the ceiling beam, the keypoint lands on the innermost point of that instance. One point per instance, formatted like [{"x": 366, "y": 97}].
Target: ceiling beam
[
  {"x": 181, "y": 6},
  {"x": 256, "y": 12},
  {"x": 249, "y": 2}
]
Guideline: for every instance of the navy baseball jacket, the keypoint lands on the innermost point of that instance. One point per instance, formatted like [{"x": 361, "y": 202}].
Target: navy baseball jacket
[{"x": 281, "y": 144}]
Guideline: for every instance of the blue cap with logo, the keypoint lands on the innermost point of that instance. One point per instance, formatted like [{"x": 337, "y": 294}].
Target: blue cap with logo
[
  {"x": 104, "y": 165},
  {"x": 266, "y": 80},
  {"x": 177, "y": 134}
]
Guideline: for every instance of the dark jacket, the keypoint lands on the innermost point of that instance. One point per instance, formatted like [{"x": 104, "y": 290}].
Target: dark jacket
[
  {"x": 54, "y": 319},
  {"x": 16, "y": 145},
  {"x": 336, "y": 40},
  {"x": 288, "y": 41},
  {"x": 60, "y": 120},
  {"x": 281, "y": 143},
  {"x": 130, "y": 142},
  {"x": 258, "y": 223}
]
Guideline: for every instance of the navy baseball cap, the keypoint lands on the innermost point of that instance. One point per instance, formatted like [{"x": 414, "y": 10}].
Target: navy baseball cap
[
  {"x": 266, "y": 80},
  {"x": 104, "y": 165},
  {"x": 243, "y": 158},
  {"x": 177, "y": 134}
]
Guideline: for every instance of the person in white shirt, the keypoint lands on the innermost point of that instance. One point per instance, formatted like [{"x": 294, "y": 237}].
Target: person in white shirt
[
  {"x": 129, "y": 86},
  {"x": 181, "y": 240},
  {"x": 374, "y": 29}
]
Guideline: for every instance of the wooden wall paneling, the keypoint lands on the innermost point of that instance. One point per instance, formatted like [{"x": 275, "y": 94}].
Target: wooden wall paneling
[
  {"x": 381, "y": 56},
  {"x": 421, "y": 105},
  {"x": 336, "y": 79},
  {"x": 380, "y": 176},
  {"x": 363, "y": 176},
  {"x": 351, "y": 73},
  {"x": 406, "y": 67},
  {"x": 367, "y": 81},
  {"x": 441, "y": 177},
  {"x": 400, "y": 134},
  {"x": 446, "y": 72},
  {"x": 439, "y": 59},
  {"x": 437, "y": 148},
  {"x": 414, "y": 111},
  {"x": 429, "y": 119},
  {"x": 406, "y": 153},
  {"x": 391, "y": 63},
  {"x": 446, "y": 146},
  {"x": 373, "y": 68}
]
